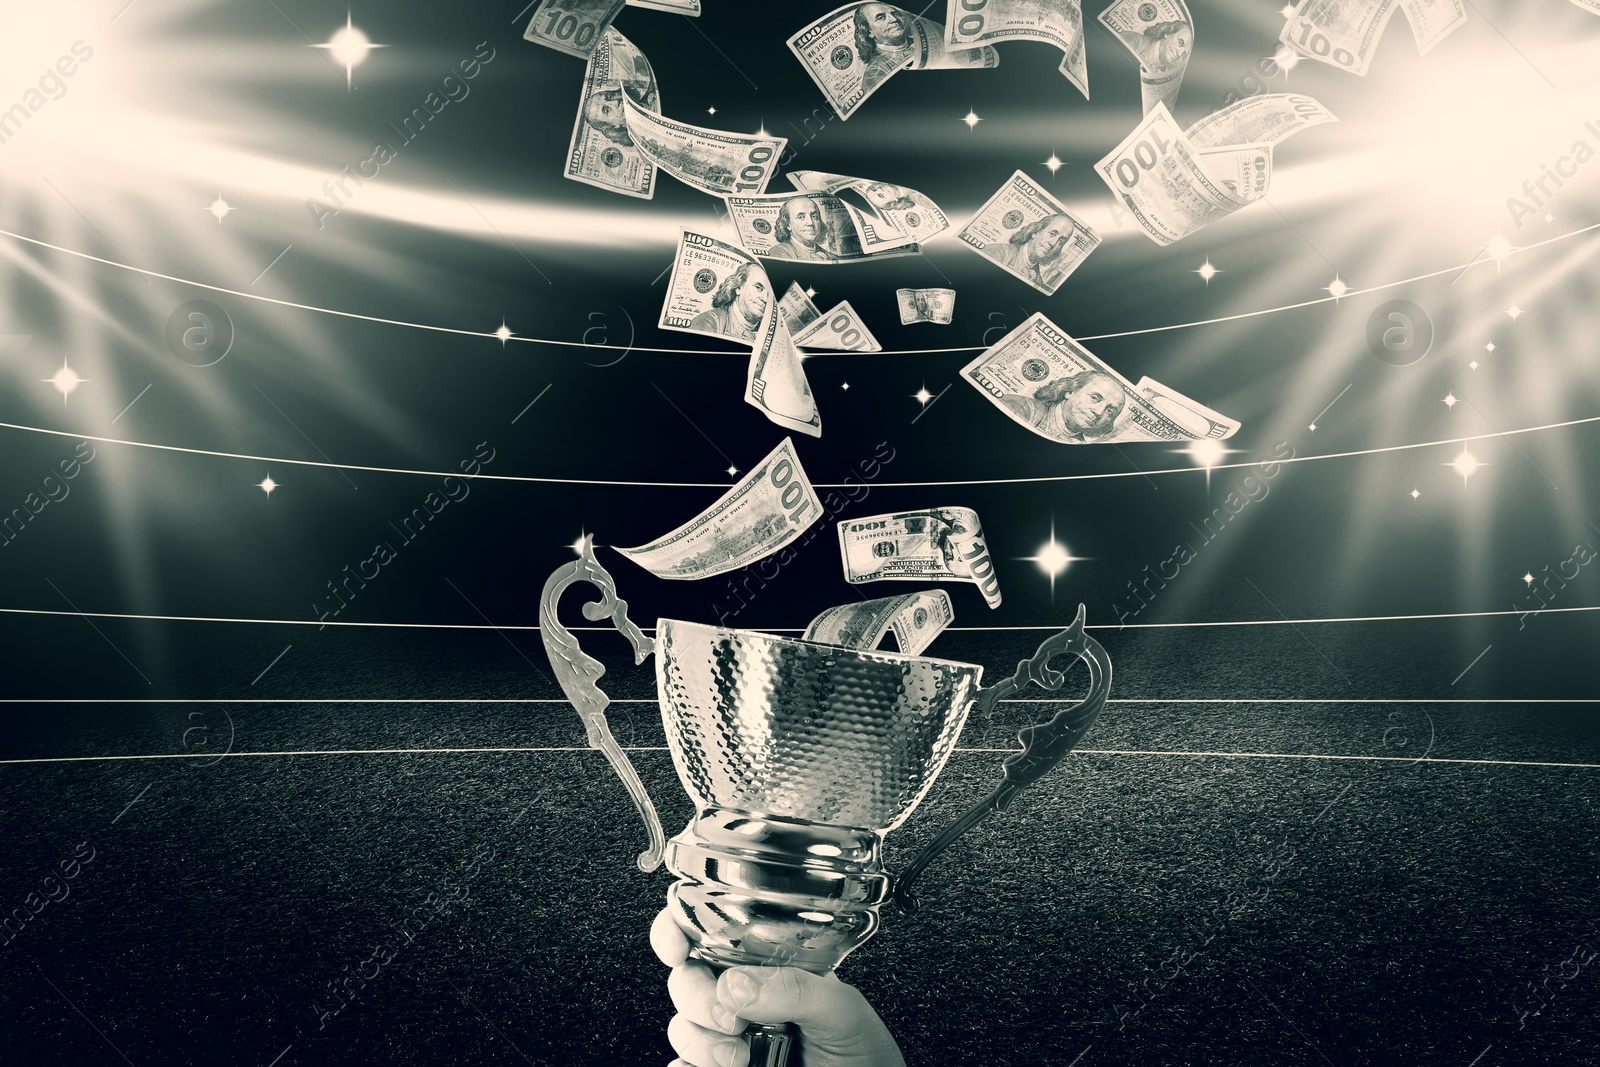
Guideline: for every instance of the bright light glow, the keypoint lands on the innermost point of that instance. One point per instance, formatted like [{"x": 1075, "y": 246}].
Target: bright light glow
[
  {"x": 1207, "y": 452},
  {"x": 1415, "y": 493},
  {"x": 65, "y": 380},
  {"x": 972, "y": 118},
  {"x": 1286, "y": 57},
  {"x": 1337, "y": 287},
  {"x": 1207, "y": 271},
  {"x": 811, "y": 293},
  {"x": 1054, "y": 163},
  {"x": 1528, "y": 577},
  {"x": 267, "y": 485},
  {"x": 922, "y": 396},
  {"x": 1513, "y": 311},
  {"x": 711, "y": 111},
  {"x": 220, "y": 208},
  {"x": 1466, "y": 464},
  {"x": 581, "y": 543},
  {"x": 1473, "y": 364},
  {"x": 845, "y": 385},
  {"x": 732, "y": 471},
  {"x": 1053, "y": 558},
  {"x": 348, "y": 47},
  {"x": 1489, "y": 347},
  {"x": 1450, "y": 400},
  {"x": 1498, "y": 248},
  {"x": 504, "y": 333}
]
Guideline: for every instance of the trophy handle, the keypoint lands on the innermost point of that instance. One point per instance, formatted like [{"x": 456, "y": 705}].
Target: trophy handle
[
  {"x": 1043, "y": 745},
  {"x": 578, "y": 672}
]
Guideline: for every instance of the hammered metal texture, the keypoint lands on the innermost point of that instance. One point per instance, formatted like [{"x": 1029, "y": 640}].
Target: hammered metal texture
[{"x": 808, "y": 731}]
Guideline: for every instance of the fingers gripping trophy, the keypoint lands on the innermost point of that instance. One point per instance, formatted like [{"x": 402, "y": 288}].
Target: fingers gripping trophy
[{"x": 800, "y": 757}]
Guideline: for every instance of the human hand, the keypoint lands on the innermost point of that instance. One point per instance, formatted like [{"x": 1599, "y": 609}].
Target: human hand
[{"x": 838, "y": 1028}]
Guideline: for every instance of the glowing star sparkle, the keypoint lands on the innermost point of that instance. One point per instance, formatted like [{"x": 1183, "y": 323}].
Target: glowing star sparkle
[
  {"x": 1337, "y": 287},
  {"x": 1473, "y": 364},
  {"x": 1528, "y": 577},
  {"x": 1465, "y": 463},
  {"x": 711, "y": 111},
  {"x": 845, "y": 385},
  {"x": 1287, "y": 58},
  {"x": 732, "y": 470},
  {"x": 1052, "y": 558},
  {"x": 922, "y": 396},
  {"x": 811, "y": 293},
  {"x": 65, "y": 381},
  {"x": 267, "y": 485},
  {"x": 1207, "y": 271},
  {"x": 581, "y": 543},
  {"x": 1287, "y": 11},
  {"x": 504, "y": 333},
  {"x": 348, "y": 47},
  {"x": 1450, "y": 400},
  {"x": 971, "y": 119},
  {"x": 1207, "y": 453},
  {"x": 1414, "y": 493},
  {"x": 1498, "y": 249},
  {"x": 219, "y": 208},
  {"x": 1489, "y": 347},
  {"x": 1513, "y": 311},
  {"x": 1054, "y": 163}
]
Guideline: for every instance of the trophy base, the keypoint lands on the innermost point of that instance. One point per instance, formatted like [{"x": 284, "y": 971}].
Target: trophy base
[{"x": 756, "y": 890}]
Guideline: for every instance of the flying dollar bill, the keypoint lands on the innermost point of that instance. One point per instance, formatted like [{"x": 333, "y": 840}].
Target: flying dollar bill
[
  {"x": 797, "y": 309},
  {"x": 571, "y": 26},
  {"x": 1158, "y": 175},
  {"x": 853, "y": 50},
  {"x": 1030, "y": 234},
  {"x": 908, "y": 214},
  {"x": 811, "y": 227},
  {"x": 775, "y": 382},
  {"x": 934, "y": 545},
  {"x": 926, "y": 305},
  {"x": 713, "y": 161},
  {"x": 1340, "y": 33},
  {"x": 1246, "y": 172},
  {"x": 601, "y": 152},
  {"x": 1058, "y": 22},
  {"x": 1160, "y": 34},
  {"x": 768, "y": 508},
  {"x": 840, "y": 329},
  {"x": 676, "y": 7},
  {"x": 1434, "y": 20},
  {"x": 1258, "y": 120},
  {"x": 915, "y": 619},
  {"x": 716, "y": 289},
  {"x": 1048, "y": 382}
]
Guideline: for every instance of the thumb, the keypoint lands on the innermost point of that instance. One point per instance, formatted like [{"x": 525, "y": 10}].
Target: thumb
[{"x": 833, "y": 1015}]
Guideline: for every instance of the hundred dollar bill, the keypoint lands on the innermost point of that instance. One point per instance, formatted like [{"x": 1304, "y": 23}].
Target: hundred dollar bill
[
  {"x": 676, "y": 7},
  {"x": 712, "y": 161},
  {"x": 1258, "y": 120},
  {"x": 1030, "y": 234},
  {"x": 716, "y": 289},
  {"x": 797, "y": 309},
  {"x": 1244, "y": 172},
  {"x": 840, "y": 329},
  {"x": 912, "y": 216},
  {"x": 1434, "y": 20},
  {"x": 812, "y": 227},
  {"x": 915, "y": 619},
  {"x": 1048, "y": 382},
  {"x": 851, "y": 51},
  {"x": 601, "y": 151},
  {"x": 775, "y": 383},
  {"x": 767, "y": 509},
  {"x": 1157, "y": 174},
  {"x": 934, "y": 545},
  {"x": 571, "y": 26},
  {"x": 926, "y": 305},
  {"x": 1059, "y": 22},
  {"x": 1340, "y": 33},
  {"x": 1160, "y": 34},
  {"x": 1591, "y": 6}
]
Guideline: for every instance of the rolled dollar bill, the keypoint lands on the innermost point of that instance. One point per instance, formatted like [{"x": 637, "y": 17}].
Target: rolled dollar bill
[
  {"x": 1157, "y": 173},
  {"x": 571, "y": 26},
  {"x": 1059, "y": 22},
  {"x": 768, "y": 508},
  {"x": 934, "y": 545},
  {"x": 811, "y": 227},
  {"x": 840, "y": 329},
  {"x": 915, "y": 620},
  {"x": 1160, "y": 34},
  {"x": 676, "y": 7},
  {"x": 1258, "y": 120},
  {"x": 910, "y": 215},
  {"x": 775, "y": 383},
  {"x": 797, "y": 309},
  {"x": 716, "y": 289},
  {"x": 713, "y": 161},
  {"x": 1044, "y": 380},
  {"x": 1340, "y": 33},
  {"x": 1030, "y": 234},
  {"x": 926, "y": 305},
  {"x": 601, "y": 151},
  {"x": 853, "y": 50}
]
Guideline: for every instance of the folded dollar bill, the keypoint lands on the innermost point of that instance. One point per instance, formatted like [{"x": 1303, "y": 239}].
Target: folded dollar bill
[
  {"x": 907, "y": 215},
  {"x": 934, "y": 545},
  {"x": 1160, "y": 34},
  {"x": 1048, "y": 382},
  {"x": 926, "y": 305},
  {"x": 713, "y": 161},
  {"x": 840, "y": 329},
  {"x": 768, "y": 508},
  {"x": 797, "y": 309},
  {"x": 915, "y": 620},
  {"x": 1340, "y": 33},
  {"x": 1030, "y": 234},
  {"x": 1058, "y": 22},
  {"x": 810, "y": 227},
  {"x": 1258, "y": 120},
  {"x": 775, "y": 383},
  {"x": 676, "y": 7},
  {"x": 575, "y": 27},
  {"x": 601, "y": 152},
  {"x": 853, "y": 50}
]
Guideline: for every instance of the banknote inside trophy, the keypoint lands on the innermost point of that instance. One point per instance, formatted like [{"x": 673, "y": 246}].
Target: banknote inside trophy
[{"x": 799, "y": 757}]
